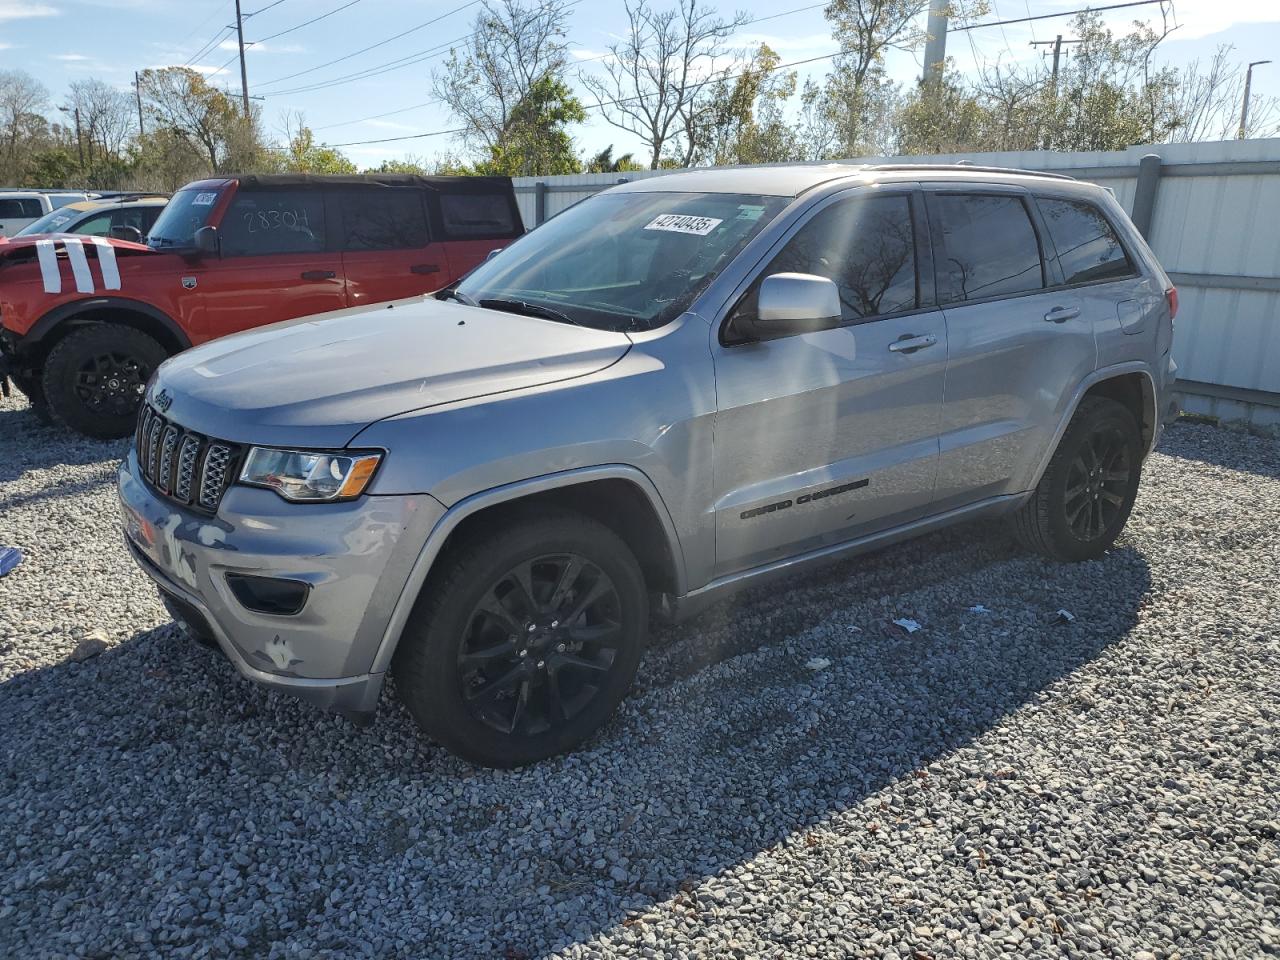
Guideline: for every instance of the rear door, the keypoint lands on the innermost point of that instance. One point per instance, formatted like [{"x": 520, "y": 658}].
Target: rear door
[
  {"x": 388, "y": 251},
  {"x": 824, "y": 437},
  {"x": 277, "y": 262},
  {"x": 1019, "y": 342},
  {"x": 17, "y": 212}
]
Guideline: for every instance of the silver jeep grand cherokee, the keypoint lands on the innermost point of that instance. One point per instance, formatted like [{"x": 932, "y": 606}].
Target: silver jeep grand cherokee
[{"x": 677, "y": 388}]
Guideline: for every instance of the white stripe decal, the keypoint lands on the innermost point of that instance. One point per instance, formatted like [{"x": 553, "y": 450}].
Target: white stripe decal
[
  {"x": 79, "y": 265},
  {"x": 107, "y": 263},
  {"x": 49, "y": 271}
]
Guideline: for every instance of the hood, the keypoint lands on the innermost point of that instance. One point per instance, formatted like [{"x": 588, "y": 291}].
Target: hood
[
  {"x": 11, "y": 246},
  {"x": 318, "y": 381}
]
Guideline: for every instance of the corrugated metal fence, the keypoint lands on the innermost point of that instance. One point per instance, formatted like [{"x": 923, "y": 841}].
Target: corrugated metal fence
[{"x": 1211, "y": 212}]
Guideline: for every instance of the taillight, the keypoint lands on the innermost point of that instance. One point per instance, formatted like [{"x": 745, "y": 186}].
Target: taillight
[{"x": 1171, "y": 295}]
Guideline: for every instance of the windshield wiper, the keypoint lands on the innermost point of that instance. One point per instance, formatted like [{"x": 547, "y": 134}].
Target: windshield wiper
[
  {"x": 449, "y": 293},
  {"x": 528, "y": 309}
]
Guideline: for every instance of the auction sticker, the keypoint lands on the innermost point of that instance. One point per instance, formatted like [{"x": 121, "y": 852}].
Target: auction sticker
[
  {"x": 684, "y": 223},
  {"x": 204, "y": 199}
]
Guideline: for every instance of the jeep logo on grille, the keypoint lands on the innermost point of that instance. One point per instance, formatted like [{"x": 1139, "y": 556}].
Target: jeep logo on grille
[{"x": 162, "y": 401}]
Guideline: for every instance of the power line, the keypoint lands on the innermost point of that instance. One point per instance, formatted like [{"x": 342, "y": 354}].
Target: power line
[
  {"x": 781, "y": 66},
  {"x": 263, "y": 9},
  {"x": 372, "y": 46},
  {"x": 1064, "y": 13},
  {"x": 208, "y": 47},
  {"x": 199, "y": 26},
  {"x": 307, "y": 23},
  {"x": 427, "y": 54}
]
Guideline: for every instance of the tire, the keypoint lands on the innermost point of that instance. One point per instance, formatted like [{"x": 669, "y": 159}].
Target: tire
[
  {"x": 31, "y": 388},
  {"x": 94, "y": 378},
  {"x": 1087, "y": 492},
  {"x": 459, "y": 669}
]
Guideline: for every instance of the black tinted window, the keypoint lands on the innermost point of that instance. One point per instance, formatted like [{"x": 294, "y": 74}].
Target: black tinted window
[
  {"x": 990, "y": 247},
  {"x": 1088, "y": 249},
  {"x": 391, "y": 218},
  {"x": 477, "y": 215},
  {"x": 867, "y": 247},
  {"x": 21, "y": 209},
  {"x": 276, "y": 221}
]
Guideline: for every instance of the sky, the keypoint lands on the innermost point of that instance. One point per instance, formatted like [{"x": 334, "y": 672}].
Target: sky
[{"x": 60, "y": 41}]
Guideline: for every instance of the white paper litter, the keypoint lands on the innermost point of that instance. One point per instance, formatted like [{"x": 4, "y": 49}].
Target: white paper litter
[
  {"x": 1066, "y": 616},
  {"x": 818, "y": 663},
  {"x": 979, "y": 608},
  {"x": 908, "y": 624}
]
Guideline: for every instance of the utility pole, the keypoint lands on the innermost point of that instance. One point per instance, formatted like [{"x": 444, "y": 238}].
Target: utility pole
[
  {"x": 1244, "y": 110},
  {"x": 1056, "y": 43},
  {"x": 137, "y": 92},
  {"x": 244, "y": 76},
  {"x": 935, "y": 45}
]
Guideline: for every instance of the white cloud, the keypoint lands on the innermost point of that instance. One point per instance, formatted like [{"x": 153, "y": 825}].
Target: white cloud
[
  {"x": 1203, "y": 18},
  {"x": 21, "y": 9},
  {"x": 70, "y": 57},
  {"x": 387, "y": 125}
]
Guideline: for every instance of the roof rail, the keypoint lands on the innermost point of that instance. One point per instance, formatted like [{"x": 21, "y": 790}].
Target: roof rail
[{"x": 967, "y": 168}]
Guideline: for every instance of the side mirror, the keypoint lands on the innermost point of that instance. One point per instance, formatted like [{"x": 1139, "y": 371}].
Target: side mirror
[
  {"x": 792, "y": 303},
  {"x": 124, "y": 232},
  {"x": 206, "y": 242}
]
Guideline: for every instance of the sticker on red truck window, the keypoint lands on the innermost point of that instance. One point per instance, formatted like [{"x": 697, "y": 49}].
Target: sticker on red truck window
[
  {"x": 684, "y": 223},
  {"x": 204, "y": 199}
]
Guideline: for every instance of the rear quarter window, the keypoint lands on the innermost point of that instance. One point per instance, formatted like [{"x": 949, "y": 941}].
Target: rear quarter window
[
  {"x": 388, "y": 218},
  {"x": 477, "y": 215},
  {"x": 1087, "y": 246}
]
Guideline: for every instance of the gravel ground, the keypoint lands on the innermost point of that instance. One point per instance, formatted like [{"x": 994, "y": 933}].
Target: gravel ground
[{"x": 791, "y": 778}]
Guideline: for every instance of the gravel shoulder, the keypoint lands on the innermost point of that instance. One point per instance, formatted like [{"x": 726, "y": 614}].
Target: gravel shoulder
[{"x": 791, "y": 778}]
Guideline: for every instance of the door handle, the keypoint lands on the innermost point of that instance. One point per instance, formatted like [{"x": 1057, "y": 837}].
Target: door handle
[
  {"x": 424, "y": 268},
  {"x": 1062, "y": 314},
  {"x": 318, "y": 274},
  {"x": 910, "y": 344}
]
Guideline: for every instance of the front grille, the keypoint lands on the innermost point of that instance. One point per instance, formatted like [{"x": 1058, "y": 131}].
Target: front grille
[{"x": 182, "y": 465}]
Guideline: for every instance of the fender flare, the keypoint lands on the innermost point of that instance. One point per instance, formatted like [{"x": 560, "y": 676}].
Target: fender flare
[
  {"x": 43, "y": 327},
  {"x": 473, "y": 504},
  {"x": 1151, "y": 402}
]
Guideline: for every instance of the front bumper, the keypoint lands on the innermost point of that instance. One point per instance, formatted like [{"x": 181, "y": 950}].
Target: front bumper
[{"x": 355, "y": 557}]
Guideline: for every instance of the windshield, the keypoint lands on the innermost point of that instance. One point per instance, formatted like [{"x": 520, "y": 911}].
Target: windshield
[
  {"x": 181, "y": 218},
  {"x": 50, "y": 222},
  {"x": 623, "y": 261}
]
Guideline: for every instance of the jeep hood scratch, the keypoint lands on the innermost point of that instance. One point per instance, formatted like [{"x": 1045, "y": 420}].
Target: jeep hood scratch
[{"x": 318, "y": 381}]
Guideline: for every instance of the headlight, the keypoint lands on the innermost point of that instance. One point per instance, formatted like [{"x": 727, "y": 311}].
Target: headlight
[{"x": 305, "y": 476}]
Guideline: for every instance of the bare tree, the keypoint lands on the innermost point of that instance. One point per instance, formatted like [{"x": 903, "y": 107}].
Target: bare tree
[
  {"x": 106, "y": 116},
  {"x": 1209, "y": 97},
  {"x": 22, "y": 98},
  {"x": 513, "y": 46},
  {"x": 658, "y": 80}
]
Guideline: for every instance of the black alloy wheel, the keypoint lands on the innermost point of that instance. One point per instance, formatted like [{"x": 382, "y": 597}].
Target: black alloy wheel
[
  {"x": 111, "y": 383},
  {"x": 540, "y": 644},
  {"x": 1083, "y": 500},
  {"x": 1098, "y": 482},
  {"x": 525, "y": 638}
]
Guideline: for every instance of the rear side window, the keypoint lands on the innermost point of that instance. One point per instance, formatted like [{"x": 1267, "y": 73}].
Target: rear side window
[
  {"x": 989, "y": 247},
  {"x": 21, "y": 208},
  {"x": 1087, "y": 246},
  {"x": 477, "y": 215},
  {"x": 273, "y": 221},
  {"x": 867, "y": 246},
  {"x": 393, "y": 218}
]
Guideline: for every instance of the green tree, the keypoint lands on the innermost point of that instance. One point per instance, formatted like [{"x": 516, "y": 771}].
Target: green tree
[
  {"x": 301, "y": 153},
  {"x": 606, "y": 162},
  {"x": 748, "y": 114}
]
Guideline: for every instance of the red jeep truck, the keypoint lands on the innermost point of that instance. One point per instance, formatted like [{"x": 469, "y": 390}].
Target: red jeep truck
[{"x": 85, "y": 320}]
